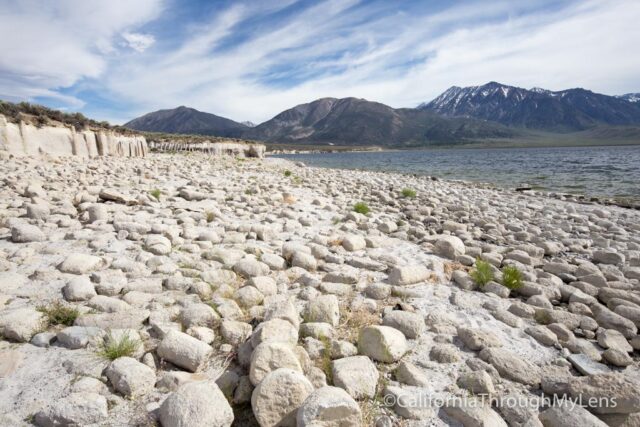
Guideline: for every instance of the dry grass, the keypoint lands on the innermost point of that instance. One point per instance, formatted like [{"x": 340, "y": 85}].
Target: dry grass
[
  {"x": 370, "y": 409},
  {"x": 450, "y": 267},
  {"x": 335, "y": 242},
  {"x": 352, "y": 322},
  {"x": 433, "y": 277}
]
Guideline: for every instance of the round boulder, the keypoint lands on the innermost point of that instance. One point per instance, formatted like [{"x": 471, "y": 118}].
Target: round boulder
[
  {"x": 382, "y": 343},
  {"x": 196, "y": 404},
  {"x": 275, "y": 401},
  {"x": 329, "y": 407}
]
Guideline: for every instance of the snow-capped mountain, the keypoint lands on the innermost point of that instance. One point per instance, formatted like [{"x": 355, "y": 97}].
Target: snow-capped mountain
[
  {"x": 631, "y": 97},
  {"x": 566, "y": 110}
]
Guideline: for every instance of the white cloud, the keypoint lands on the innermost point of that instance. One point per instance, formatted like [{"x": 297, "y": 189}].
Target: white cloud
[
  {"x": 50, "y": 45},
  {"x": 138, "y": 41},
  {"x": 590, "y": 44}
]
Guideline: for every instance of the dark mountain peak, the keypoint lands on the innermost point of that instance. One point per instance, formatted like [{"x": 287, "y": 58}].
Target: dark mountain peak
[
  {"x": 567, "y": 110},
  {"x": 187, "y": 120},
  {"x": 494, "y": 84}
]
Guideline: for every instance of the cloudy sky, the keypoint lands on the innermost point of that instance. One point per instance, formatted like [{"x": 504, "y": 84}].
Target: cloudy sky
[{"x": 248, "y": 60}]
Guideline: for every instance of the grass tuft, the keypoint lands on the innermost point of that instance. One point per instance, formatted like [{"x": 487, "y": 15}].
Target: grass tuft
[
  {"x": 155, "y": 193},
  {"x": 287, "y": 173},
  {"x": 361, "y": 208},
  {"x": 409, "y": 193},
  {"x": 483, "y": 273},
  {"x": 114, "y": 347},
  {"x": 210, "y": 216},
  {"x": 325, "y": 361},
  {"x": 59, "y": 314},
  {"x": 511, "y": 277}
]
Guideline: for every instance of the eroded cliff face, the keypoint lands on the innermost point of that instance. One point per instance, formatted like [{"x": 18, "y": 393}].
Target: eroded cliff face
[
  {"x": 24, "y": 139},
  {"x": 213, "y": 148}
]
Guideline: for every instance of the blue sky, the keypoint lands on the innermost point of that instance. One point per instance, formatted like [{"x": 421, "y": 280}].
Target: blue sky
[{"x": 248, "y": 60}]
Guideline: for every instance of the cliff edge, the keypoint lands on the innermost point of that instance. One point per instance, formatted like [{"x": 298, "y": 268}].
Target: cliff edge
[
  {"x": 26, "y": 139},
  {"x": 214, "y": 148}
]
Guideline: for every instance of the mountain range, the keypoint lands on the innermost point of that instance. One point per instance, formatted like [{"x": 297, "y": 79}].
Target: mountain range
[
  {"x": 562, "y": 111},
  {"x": 353, "y": 121},
  {"x": 489, "y": 112}
]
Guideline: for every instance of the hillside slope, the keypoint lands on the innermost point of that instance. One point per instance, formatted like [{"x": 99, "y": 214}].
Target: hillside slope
[
  {"x": 186, "y": 120},
  {"x": 352, "y": 121}
]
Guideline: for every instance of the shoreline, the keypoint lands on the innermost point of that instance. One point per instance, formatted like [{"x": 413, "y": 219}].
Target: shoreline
[
  {"x": 236, "y": 275},
  {"x": 326, "y": 149},
  {"x": 627, "y": 203}
]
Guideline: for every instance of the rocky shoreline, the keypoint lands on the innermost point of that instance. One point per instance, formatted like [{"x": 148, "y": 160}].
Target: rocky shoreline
[
  {"x": 181, "y": 290},
  {"x": 623, "y": 202}
]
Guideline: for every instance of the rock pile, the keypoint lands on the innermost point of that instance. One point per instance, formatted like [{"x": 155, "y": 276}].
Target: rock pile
[{"x": 180, "y": 291}]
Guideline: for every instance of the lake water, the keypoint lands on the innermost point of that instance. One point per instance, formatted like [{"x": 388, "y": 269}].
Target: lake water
[{"x": 591, "y": 171}]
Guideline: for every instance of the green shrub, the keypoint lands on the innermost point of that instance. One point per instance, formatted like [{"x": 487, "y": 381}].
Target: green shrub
[
  {"x": 409, "y": 193},
  {"x": 287, "y": 173},
  {"x": 42, "y": 115},
  {"x": 361, "y": 208},
  {"x": 511, "y": 277},
  {"x": 59, "y": 314},
  {"x": 115, "y": 347},
  {"x": 211, "y": 216},
  {"x": 155, "y": 193},
  {"x": 483, "y": 273}
]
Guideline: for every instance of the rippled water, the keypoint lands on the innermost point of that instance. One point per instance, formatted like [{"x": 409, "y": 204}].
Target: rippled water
[{"x": 591, "y": 171}]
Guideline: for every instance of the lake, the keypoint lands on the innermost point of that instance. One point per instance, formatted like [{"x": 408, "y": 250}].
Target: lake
[{"x": 612, "y": 171}]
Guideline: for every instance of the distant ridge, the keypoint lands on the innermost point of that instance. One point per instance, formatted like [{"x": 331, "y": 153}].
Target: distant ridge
[{"x": 187, "y": 120}]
